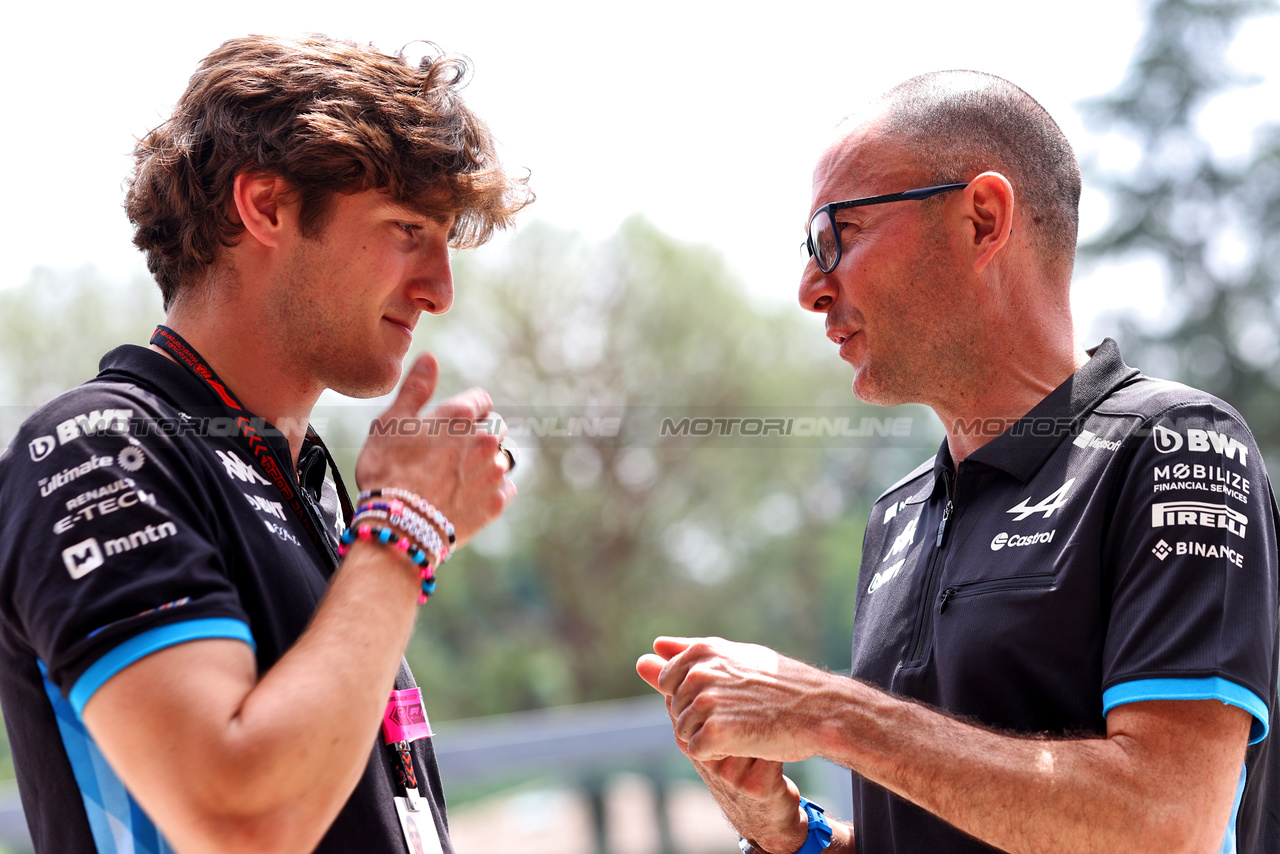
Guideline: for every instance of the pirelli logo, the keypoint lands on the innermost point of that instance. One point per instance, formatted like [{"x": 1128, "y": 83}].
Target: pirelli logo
[{"x": 1199, "y": 514}]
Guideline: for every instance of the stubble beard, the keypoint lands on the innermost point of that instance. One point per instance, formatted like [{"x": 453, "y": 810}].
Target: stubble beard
[{"x": 319, "y": 346}]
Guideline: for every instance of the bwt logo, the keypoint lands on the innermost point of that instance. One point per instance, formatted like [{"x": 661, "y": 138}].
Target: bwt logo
[
  {"x": 1200, "y": 514},
  {"x": 1167, "y": 441},
  {"x": 95, "y": 423}
]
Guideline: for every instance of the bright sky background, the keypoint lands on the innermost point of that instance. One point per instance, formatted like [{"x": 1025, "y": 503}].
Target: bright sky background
[{"x": 705, "y": 117}]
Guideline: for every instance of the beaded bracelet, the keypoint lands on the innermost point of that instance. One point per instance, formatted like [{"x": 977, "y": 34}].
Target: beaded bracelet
[
  {"x": 400, "y": 514},
  {"x": 418, "y": 529},
  {"x": 418, "y": 503},
  {"x": 385, "y": 536}
]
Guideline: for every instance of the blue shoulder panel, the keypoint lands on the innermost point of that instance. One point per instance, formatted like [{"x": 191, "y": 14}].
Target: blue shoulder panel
[{"x": 140, "y": 646}]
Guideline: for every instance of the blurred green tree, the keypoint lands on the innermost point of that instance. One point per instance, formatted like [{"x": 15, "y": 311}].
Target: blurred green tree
[
  {"x": 620, "y": 536},
  {"x": 1209, "y": 218}
]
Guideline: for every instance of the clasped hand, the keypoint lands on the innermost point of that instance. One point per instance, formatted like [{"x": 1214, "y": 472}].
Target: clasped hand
[{"x": 739, "y": 711}]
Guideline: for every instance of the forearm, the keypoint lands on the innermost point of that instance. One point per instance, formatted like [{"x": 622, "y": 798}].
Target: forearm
[
  {"x": 307, "y": 726},
  {"x": 1034, "y": 795},
  {"x": 1162, "y": 780},
  {"x": 265, "y": 764}
]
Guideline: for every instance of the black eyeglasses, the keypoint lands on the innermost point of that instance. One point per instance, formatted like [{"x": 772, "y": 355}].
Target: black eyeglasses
[{"x": 823, "y": 241}]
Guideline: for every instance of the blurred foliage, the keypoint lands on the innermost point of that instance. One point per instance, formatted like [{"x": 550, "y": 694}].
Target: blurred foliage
[
  {"x": 1209, "y": 219},
  {"x": 617, "y": 539}
]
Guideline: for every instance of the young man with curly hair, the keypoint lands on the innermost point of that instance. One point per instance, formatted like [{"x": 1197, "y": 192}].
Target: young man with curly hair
[{"x": 189, "y": 657}]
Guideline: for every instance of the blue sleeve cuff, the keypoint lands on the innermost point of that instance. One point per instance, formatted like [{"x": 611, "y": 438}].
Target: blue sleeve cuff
[
  {"x": 153, "y": 640},
  {"x": 1208, "y": 688}
]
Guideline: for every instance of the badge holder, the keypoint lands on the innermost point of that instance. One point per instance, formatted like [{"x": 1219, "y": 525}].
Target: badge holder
[{"x": 404, "y": 722}]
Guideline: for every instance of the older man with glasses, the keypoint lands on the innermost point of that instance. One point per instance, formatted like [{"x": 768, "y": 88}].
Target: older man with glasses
[{"x": 1065, "y": 637}]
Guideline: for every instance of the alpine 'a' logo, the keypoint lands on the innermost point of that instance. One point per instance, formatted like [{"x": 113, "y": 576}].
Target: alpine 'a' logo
[{"x": 1056, "y": 501}]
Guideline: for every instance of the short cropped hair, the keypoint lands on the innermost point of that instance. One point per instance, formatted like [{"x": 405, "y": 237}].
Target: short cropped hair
[
  {"x": 960, "y": 124},
  {"x": 326, "y": 116}
]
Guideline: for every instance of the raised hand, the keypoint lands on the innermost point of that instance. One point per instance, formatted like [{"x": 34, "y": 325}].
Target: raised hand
[{"x": 449, "y": 456}]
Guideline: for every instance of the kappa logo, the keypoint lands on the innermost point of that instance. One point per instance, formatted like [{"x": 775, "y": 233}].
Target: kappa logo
[
  {"x": 1167, "y": 441},
  {"x": 238, "y": 469},
  {"x": 82, "y": 558},
  {"x": 906, "y": 538},
  {"x": 1055, "y": 501},
  {"x": 1200, "y": 514}
]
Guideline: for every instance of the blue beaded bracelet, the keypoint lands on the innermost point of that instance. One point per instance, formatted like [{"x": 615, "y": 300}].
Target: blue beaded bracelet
[{"x": 385, "y": 536}]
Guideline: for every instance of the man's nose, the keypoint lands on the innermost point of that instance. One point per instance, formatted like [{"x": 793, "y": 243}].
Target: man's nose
[{"x": 817, "y": 289}]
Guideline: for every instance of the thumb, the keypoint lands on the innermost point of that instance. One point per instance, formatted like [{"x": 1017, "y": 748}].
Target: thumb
[
  {"x": 669, "y": 647},
  {"x": 649, "y": 667},
  {"x": 419, "y": 385}
]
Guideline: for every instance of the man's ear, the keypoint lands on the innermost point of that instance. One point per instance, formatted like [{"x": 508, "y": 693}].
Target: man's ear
[
  {"x": 990, "y": 215},
  {"x": 263, "y": 205}
]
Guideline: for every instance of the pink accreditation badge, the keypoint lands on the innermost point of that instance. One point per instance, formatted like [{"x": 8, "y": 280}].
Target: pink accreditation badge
[
  {"x": 405, "y": 721},
  {"x": 405, "y": 718}
]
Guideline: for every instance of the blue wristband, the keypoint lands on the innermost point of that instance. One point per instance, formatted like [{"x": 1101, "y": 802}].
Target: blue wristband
[
  {"x": 819, "y": 831},
  {"x": 819, "y": 837}
]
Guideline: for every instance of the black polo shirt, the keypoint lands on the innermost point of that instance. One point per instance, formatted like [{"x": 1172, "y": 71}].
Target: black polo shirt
[
  {"x": 134, "y": 520},
  {"x": 1117, "y": 544}
]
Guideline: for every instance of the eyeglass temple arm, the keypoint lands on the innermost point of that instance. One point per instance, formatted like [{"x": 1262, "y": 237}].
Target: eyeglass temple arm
[{"x": 926, "y": 192}]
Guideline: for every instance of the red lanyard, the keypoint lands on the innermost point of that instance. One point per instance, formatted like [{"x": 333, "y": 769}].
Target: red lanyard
[{"x": 258, "y": 447}]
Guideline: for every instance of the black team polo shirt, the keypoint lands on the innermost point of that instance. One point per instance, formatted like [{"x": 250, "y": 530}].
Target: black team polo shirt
[
  {"x": 133, "y": 522},
  {"x": 1115, "y": 545}
]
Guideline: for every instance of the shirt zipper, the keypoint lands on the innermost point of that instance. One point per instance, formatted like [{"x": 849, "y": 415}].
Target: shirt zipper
[{"x": 924, "y": 635}]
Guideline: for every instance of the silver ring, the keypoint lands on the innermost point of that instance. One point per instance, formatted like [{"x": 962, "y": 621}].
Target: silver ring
[{"x": 511, "y": 452}]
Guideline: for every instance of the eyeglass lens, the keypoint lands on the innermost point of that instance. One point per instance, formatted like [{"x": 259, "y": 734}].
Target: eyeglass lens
[{"x": 822, "y": 239}]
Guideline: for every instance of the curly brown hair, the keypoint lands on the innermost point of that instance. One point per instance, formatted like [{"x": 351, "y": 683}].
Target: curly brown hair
[{"x": 328, "y": 117}]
